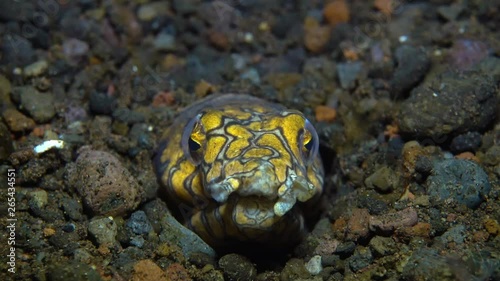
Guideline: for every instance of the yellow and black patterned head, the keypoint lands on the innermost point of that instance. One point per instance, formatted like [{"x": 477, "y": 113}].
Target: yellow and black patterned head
[{"x": 258, "y": 162}]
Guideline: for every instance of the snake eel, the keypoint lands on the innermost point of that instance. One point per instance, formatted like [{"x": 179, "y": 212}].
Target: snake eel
[{"x": 241, "y": 170}]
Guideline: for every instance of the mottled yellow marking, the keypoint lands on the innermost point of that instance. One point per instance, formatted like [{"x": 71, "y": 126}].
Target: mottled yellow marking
[
  {"x": 257, "y": 152},
  {"x": 211, "y": 120},
  {"x": 214, "y": 172},
  {"x": 213, "y": 148}
]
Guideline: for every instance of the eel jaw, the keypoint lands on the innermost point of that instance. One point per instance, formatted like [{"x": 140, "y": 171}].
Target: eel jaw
[{"x": 295, "y": 188}]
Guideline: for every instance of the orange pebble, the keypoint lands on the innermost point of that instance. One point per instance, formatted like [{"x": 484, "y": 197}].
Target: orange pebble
[
  {"x": 325, "y": 113},
  {"x": 385, "y": 6},
  {"x": 163, "y": 98},
  {"x": 336, "y": 12},
  {"x": 467, "y": 156}
]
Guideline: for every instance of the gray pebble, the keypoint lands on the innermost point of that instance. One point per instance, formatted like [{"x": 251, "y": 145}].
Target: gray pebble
[
  {"x": 460, "y": 180},
  {"x": 75, "y": 271},
  {"x": 449, "y": 104},
  {"x": 237, "y": 267},
  {"x": 39, "y": 105},
  {"x": 138, "y": 223},
  {"x": 164, "y": 42},
  {"x": 455, "y": 234},
  {"x": 382, "y": 246},
  {"x": 413, "y": 64},
  {"x": 348, "y": 73},
  {"x": 362, "y": 258},
  {"x": 36, "y": 68},
  {"x": 470, "y": 141},
  {"x": 104, "y": 230}
]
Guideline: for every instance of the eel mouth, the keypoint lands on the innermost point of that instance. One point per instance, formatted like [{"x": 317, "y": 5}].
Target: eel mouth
[{"x": 282, "y": 196}]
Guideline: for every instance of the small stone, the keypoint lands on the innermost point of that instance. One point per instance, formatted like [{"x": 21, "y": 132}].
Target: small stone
[
  {"x": 177, "y": 272},
  {"x": 316, "y": 37},
  {"x": 6, "y": 145},
  {"x": 383, "y": 246},
  {"x": 362, "y": 258},
  {"x": 39, "y": 105},
  {"x": 426, "y": 262},
  {"x": 336, "y": 12},
  {"x": 75, "y": 50},
  {"x": 147, "y": 270},
  {"x": 492, "y": 226},
  {"x": 450, "y": 12},
  {"x": 314, "y": 265},
  {"x": 149, "y": 11},
  {"x": 449, "y": 104},
  {"x": 383, "y": 180},
  {"x": 164, "y": 42},
  {"x": 252, "y": 75},
  {"x": 357, "y": 225},
  {"x": 294, "y": 270},
  {"x": 73, "y": 270},
  {"x": 462, "y": 181},
  {"x": 469, "y": 141},
  {"x": 237, "y": 267},
  {"x": 325, "y": 113},
  {"x": 16, "y": 121},
  {"x": 139, "y": 223},
  {"x": 455, "y": 235},
  {"x": 105, "y": 186},
  {"x": 104, "y": 230},
  {"x": 345, "y": 249},
  {"x": 387, "y": 223},
  {"x": 204, "y": 88},
  {"x": 101, "y": 103},
  {"x": 38, "y": 198},
  {"x": 348, "y": 73},
  {"x": 413, "y": 64},
  {"x": 36, "y": 68}
]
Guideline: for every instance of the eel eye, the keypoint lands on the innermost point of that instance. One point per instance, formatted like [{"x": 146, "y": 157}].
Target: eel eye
[
  {"x": 310, "y": 142},
  {"x": 192, "y": 139}
]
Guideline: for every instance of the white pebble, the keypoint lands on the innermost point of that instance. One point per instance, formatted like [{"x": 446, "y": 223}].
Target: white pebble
[{"x": 314, "y": 265}]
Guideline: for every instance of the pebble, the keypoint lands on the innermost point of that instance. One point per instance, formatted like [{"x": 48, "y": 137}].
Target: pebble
[
  {"x": 445, "y": 105},
  {"x": 348, "y": 73},
  {"x": 149, "y": 11},
  {"x": 6, "y": 145},
  {"x": 316, "y": 37},
  {"x": 36, "y": 68},
  {"x": 101, "y": 103},
  {"x": 362, "y": 258},
  {"x": 104, "y": 230},
  {"x": 177, "y": 272},
  {"x": 16, "y": 121},
  {"x": 75, "y": 50},
  {"x": 314, "y": 265},
  {"x": 252, "y": 75},
  {"x": 383, "y": 246},
  {"x": 462, "y": 181},
  {"x": 73, "y": 270},
  {"x": 387, "y": 223},
  {"x": 39, "y": 105},
  {"x": 173, "y": 232},
  {"x": 413, "y": 64},
  {"x": 336, "y": 12},
  {"x": 138, "y": 223},
  {"x": 294, "y": 270},
  {"x": 148, "y": 270},
  {"x": 38, "y": 198},
  {"x": 426, "y": 262},
  {"x": 105, "y": 186},
  {"x": 357, "y": 225},
  {"x": 469, "y": 141},
  {"x": 465, "y": 53},
  {"x": 383, "y": 180},
  {"x": 455, "y": 234},
  {"x": 17, "y": 50},
  {"x": 237, "y": 267},
  {"x": 164, "y": 42}
]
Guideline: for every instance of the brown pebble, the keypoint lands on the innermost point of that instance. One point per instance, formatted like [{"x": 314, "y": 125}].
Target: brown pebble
[
  {"x": 467, "y": 156},
  {"x": 492, "y": 226},
  {"x": 147, "y": 270},
  {"x": 336, "y": 12},
  {"x": 387, "y": 223},
  {"x": 421, "y": 229},
  {"x": 106, "y": 187},
  {"x": 177, "y": 272},
  {"x": 219, "y": 39},
  {"x": 385, "y": 6},
  {"x": 204, "y": 88},
  {"x": 16, "y": 121},
  {"x": 325, "y": 113},
  {"x": 163, "y": 99},
  {"x": 316, "y": 37},
  {"x": 357, "y": 225}
]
